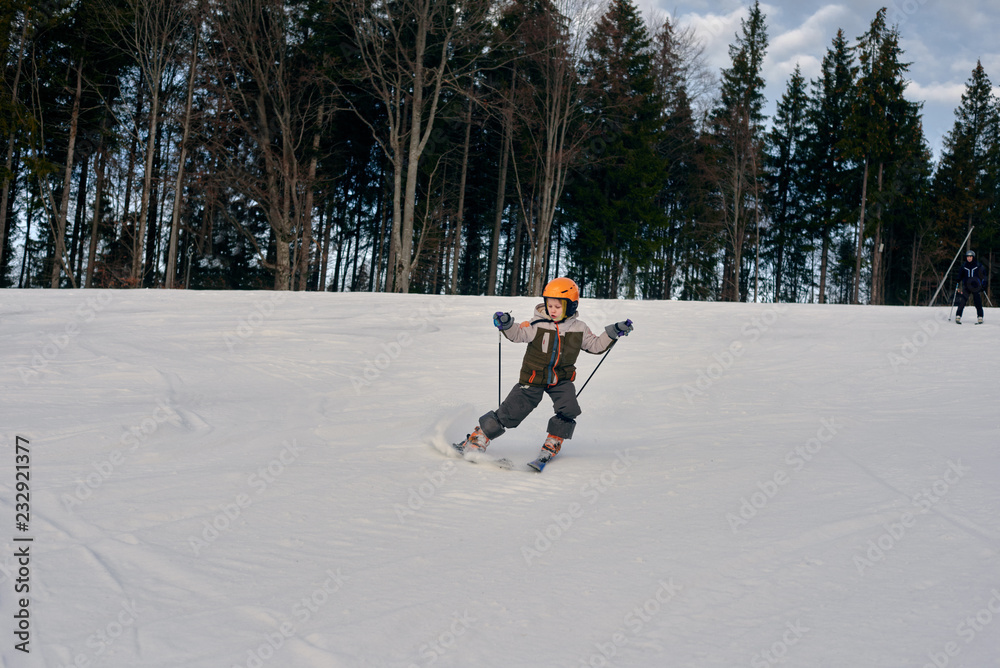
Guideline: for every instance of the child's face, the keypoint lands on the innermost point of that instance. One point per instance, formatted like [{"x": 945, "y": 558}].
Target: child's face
[{"x": 554, "y": 307}]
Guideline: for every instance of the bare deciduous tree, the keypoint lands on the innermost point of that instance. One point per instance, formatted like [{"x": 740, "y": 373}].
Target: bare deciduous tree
[
  {"x": 60, "y": 212},
  {"x": 151, "y": 30},
  {"x": 403, "y": 52},
  {"x": 549, "y": 111},
  {"x": 175, "y": 220},
  {"x": 275, "y": 99}
]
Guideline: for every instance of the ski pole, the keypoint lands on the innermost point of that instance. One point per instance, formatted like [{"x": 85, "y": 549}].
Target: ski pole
[
  {"x": 595, "y": 370},
  {"x": 954, "y": 294},
  {"x": 498, "y": 322},
  {"x": 600, "y": 363}
]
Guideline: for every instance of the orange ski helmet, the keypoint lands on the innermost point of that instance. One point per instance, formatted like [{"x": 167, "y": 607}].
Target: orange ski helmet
[{"x": 566, "y": 289}]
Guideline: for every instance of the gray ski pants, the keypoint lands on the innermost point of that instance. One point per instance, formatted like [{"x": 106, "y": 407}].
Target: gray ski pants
[{"x": 523, "y": 399}]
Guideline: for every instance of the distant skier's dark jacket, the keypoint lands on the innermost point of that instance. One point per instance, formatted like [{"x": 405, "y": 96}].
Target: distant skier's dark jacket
[
  {"x": 553, "y": 347},
  {"x": 972, "y": 277}
]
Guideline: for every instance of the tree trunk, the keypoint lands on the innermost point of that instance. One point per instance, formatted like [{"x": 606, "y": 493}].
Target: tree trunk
[
  {"x": 756, "y": 218},
  {"x": 358, "y": 227},
  {"x": 779, "y": 261},
  {"x": 861, "y": 236},
  {"x": 492, "y": 278},
  {"x": 342, "y": 223},
  {"x": 878, "y": 271},
  {"x": 76, "y": 240},
  {"x": 394, "y": 271},
  {"x": 283, "y": 263},
  {"x": 404, "y": 259},
  {"x": 175, "y": 220},
  {"x": 306, "y": 217},
  {"x": 459, "y": 219},
  {"x": 129, "y": 177},
  {"x": 515, "y": 277},
  {"x": 383, "y": 258},
  {"x": 27, "y": 235},
  {"x": 138, "y": 256},
  {"x": 737, "y": 238},
  {"x": 825, "y": 253},
  {"x": 95, "y": 225},
  {"x": 989, "y": 276},
  {"x": 325, "y": 221},
  {"x": 9, "y": 161},
  {"x": 157, "y": 204},
  {"x": 58, "y": 260},
  {"x": 418, "y": 133}
]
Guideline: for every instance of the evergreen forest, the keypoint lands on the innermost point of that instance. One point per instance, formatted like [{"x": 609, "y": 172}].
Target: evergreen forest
[{"x": 474, "y": 147}]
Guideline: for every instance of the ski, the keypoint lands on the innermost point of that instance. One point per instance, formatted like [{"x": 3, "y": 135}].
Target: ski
[
  {"x": 538, "y": 464},
  {"x": 477, "y": 457},
  {"x": 483, "y": 458}
]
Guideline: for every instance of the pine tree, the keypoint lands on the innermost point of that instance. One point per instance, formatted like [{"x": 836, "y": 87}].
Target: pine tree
[
  {"x": 71, "y": 72},
  {"x": 786, "y": 170},
  {"x": 832, "y": 189},
  {"x": 737, "y": 129},
  {"x": 965, "y": 181},
  {"x": 885, "y": 132},
  {"x": 615, "y": 201},
  {"x": 906, "y": 202},
  {"x": 676, "y": 244},
  {"x": 963, "y": 173}
]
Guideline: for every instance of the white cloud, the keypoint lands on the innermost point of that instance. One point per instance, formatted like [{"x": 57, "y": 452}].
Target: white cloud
[
  {"x": 817, "y": 31},
  {"x": 810, "y": 67},
  {"x": 805, "y": 43},
  {"x": 936, "y": 92},
  {"x": 924, "y": 61},
  {"x": 716, "y": 32}
]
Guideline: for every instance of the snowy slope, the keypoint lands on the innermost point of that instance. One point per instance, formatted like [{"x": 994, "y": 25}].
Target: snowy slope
[{"x": 251, "y": 479}]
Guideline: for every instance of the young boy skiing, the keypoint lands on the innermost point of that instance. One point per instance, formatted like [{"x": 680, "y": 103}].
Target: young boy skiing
[{"x": 555, "y": 337}]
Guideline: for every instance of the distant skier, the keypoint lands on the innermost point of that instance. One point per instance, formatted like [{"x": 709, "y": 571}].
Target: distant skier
[
  {"x": 971, "y": 281},
  {"x": 555, "y": 337}
]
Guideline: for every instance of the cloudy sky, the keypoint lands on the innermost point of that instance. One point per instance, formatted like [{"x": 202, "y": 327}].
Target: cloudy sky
[{"x": 942, "y": 39}]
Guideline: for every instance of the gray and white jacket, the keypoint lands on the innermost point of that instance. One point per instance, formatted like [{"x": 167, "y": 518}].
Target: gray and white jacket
[{"x": 553, "y": 347}]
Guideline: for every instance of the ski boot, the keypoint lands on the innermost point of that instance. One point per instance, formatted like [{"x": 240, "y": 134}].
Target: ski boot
[
  {"x": 549, "y": 450},
  {"x": 979, "y": 320},
  {"x": 958, "y": 320},
  {"x": 477, "y": 441}
]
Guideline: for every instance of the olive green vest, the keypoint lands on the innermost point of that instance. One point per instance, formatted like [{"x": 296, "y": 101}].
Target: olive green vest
[{"x": 550, "y": 358}]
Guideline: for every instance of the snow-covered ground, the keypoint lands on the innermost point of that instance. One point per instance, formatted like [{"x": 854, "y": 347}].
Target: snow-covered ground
[{"x": 252, "y": 479}]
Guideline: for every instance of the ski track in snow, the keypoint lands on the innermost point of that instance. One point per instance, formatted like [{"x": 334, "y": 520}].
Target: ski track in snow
[{"x": 262, "y": 479}]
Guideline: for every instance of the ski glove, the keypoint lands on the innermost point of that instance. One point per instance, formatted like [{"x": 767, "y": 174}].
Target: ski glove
[
  {"x": 619, "y": 329},
  {"x": 502, "y": 321}
]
